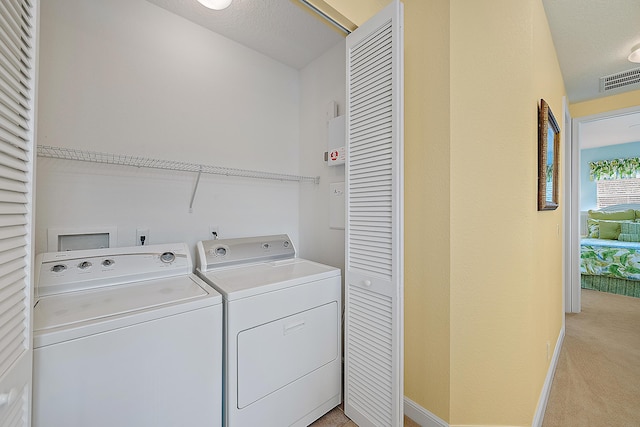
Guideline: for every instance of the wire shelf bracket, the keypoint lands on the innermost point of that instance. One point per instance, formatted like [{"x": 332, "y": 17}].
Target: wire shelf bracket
[{"x": 145, "y": 162}]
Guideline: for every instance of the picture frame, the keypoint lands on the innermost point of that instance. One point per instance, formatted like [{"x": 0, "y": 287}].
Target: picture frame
[{"x": 548, "y": 158}]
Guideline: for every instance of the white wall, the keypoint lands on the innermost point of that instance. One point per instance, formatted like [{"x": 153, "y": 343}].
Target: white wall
[
  {"x": 127, "y": 77},
  {"x": 321, "y": 81}
]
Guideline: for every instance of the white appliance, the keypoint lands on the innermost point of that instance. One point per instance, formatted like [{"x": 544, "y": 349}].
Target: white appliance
[
  {"x": 282, "y": 333},
  {"x": 126, "y": 337}
]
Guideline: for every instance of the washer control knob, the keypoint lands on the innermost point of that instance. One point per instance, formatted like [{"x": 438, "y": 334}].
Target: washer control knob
[
  {"x": 265, "y": 246},
  {"x": 108, "y": 262},
  {"x": 220, "y": 251},
  {"x": 58, "y": 268},
  {"x": 84, "y": 265},
  {"x": 286, "y": 243},
  {"x": 168, "y": 257}
]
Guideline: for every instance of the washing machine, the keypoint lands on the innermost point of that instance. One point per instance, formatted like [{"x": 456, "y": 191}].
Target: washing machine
[
  {"x": 125, "y": 337},
  {"x": 282, "y": 330}
]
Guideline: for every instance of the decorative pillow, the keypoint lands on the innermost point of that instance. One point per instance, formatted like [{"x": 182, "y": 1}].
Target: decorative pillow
[
  {"x": 593, "y": 229},
  {"x": 637, "y": 215},
  {"x": 625, "y": 237},
  {"x": 629, "y": 228},
  {"x": 609, "y": 229},
  {"x": 614, "y": 215}
]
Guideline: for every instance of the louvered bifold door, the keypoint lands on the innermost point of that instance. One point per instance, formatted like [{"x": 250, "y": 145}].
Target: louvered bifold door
[
  {"x": 374, "y": 269},
  {"x": 17, "y": 76}
]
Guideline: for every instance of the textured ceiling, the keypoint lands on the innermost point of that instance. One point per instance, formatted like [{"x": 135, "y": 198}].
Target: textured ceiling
[
  {"x": 593, "y": 39},
  {"x": 276, "y": 28}
]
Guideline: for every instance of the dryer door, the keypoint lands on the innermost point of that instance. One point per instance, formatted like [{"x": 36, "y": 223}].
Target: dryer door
[{"x": 275, "y": 354}]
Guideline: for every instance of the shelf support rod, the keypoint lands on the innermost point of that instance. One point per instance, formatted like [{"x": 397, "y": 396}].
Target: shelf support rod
[{"x": 195, "y": 188}]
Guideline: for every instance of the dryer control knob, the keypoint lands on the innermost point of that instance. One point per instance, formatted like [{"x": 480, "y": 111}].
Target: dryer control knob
[{"x": 168, "y": 257}]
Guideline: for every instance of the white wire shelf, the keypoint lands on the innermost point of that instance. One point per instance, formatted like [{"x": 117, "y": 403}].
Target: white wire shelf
[{"x": 145, "y": 162}]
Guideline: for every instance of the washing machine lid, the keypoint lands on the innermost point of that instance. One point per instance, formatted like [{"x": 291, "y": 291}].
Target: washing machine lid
[
  {"x": 242, "y": 281},
  {"x": 63, "y": 316}
]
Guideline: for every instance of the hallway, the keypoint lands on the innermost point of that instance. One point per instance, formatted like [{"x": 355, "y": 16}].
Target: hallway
[{"x": 597, "y": 381}]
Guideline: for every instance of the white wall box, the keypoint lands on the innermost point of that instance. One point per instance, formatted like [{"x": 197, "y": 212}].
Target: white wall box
[
  {"x": 336, "y": 143},
  {"x": 70, "y": 239}
]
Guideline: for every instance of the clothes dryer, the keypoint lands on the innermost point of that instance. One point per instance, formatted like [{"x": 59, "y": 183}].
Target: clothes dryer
[
  {"x": 126, "y": 337},
  {"x": 282, "y": 333}
]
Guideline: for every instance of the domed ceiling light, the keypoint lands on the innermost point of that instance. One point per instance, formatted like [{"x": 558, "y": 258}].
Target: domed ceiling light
[
  {"x": 635, "y": 54},
  {"x": 215, "y": 4}
]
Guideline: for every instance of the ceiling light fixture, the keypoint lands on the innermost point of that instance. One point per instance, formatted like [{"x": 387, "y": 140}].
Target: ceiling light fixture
[
  {"x": 215, "y": 4},
  {"x": 635, "y": 54}
]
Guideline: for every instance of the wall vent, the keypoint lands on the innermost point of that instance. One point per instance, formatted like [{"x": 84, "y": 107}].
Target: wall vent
[{"x": 618, "y": 80}]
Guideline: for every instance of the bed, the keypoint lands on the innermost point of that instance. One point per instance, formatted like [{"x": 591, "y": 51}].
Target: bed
[{"x": 610, "y": 251}]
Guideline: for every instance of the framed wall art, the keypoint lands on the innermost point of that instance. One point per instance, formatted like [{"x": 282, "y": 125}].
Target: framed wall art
[{"x": 548, "y": 162}]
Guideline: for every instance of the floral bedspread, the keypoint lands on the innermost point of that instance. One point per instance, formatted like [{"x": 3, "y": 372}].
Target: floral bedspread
[{"x": 610, "y": 258}]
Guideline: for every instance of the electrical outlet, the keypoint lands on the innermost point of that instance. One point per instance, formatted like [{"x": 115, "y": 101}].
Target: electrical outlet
[
  {"x": 214, "y": 232},
  {"x": 142, "y": 237},
  {"x": 548, "y": 350}
]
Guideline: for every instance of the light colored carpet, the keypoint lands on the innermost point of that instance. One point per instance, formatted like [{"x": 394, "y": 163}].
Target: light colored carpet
[{"x": 597, "y": 381}]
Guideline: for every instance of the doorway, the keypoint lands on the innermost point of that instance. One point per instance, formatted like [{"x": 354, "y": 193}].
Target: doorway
[{"x": 597, "y": 130}]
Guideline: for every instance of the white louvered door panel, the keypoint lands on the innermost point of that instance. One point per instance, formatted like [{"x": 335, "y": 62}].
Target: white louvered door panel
[
  {"x": 17, "y": 82},
  {"x": 374, "y": 267}
]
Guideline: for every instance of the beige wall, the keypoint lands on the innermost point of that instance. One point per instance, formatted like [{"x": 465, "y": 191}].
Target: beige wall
[
  {"x": 546, "y": 304},
  {"x": 506, "y": 287},
  {"x": 483, "y": 289},
  {"x": 427, "y": 208},
  {"x": 609, "y": 103},
  {"x": 491, "y": 210}
]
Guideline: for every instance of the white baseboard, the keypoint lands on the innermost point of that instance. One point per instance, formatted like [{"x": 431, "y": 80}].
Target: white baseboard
[
  {"x": 546, "y": 389},
  {"x": 421, "y": 416},
  {"x": 426, "y": 419}
]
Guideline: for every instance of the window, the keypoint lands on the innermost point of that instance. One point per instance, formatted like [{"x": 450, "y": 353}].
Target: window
[{"x": 616, "y": 191}]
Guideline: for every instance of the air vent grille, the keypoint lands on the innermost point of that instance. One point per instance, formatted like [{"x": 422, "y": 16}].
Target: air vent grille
[{"x": 615, "y": 81}]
